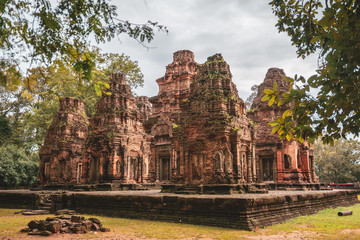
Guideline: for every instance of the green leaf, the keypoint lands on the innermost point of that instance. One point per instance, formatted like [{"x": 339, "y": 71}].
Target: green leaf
[
  {"x": 287, "y": 113},
  {"x": 274, "y": 130},
  {"x": 271, "y": 101},
  {"x": 315, "y": 39},
  {"x": 265, "y": 98},
  {"x": 273, "y": 123},
  {"x": 275, "y": 86},
  {"x": 289, "y": 136},
  {"x": 268, "y": 91}
]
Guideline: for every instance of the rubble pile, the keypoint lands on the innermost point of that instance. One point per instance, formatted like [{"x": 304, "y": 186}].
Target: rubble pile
[{"x": 64, "y": 224}]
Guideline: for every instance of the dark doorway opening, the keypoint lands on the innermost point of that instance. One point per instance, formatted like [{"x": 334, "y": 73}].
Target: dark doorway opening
[
  {"x": 164, "y": 169},
  {"x": 94, "y": 170},
  {"x": 267, "y": 169},
  {"x": 134, "y": 168}
]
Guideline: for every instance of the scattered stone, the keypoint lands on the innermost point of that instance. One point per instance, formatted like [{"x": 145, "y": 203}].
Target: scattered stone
[
  {"x": 24, "y": 210},
  {"x": 65, "y": 230},
  {"x": 95, "y": 227},
  {"x": 64, "y": 224},
  {"x": 87, "y": 224},
  {"x": 46, "y": 233},
  {"x": 55, "y": 227},
  {"x": 76, "y": 219},
  {"x": 65, "y": 217},
  {"x": 25, "y": 230},
  {"x": 104, "y": 229},
  {"x": 35, "y": 212},
  {"x": 95, "y": 220},
  {"x": 33, "y": 224},
  {"x": 65, "y": 212}
]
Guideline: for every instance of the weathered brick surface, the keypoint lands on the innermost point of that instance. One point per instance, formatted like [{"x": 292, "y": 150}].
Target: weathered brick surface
[
  {"x": 234, "y": 212},
  {"x": 64, "y": 144},
  {"x": 117, "y": 148},
  {"x": 174, "y": 88},
  {"x": 278, "y": 160},
  {"x": 214, "y": 136},
  {"x": 17, "y": 199}
]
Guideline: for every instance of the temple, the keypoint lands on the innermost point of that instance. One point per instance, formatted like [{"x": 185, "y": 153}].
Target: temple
[
  {"x": 64, "y": 144},
  {"x": 195, "y": 133},
  {"x": 278, "y": 160}
]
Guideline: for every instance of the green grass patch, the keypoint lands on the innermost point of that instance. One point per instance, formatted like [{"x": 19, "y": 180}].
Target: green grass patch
[
  {"x": 324, "y": 221},
  {"x": 323, "y": 225}
]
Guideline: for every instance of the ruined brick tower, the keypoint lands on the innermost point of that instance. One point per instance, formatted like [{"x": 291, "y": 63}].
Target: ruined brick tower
[
  {"x": 61, "y": 154},
  {"x": 214, "y": 136},
  {"x": 278, "y": 160},
  {"x": 117, "y": 149},
  {"x": 174, "y": 87}
]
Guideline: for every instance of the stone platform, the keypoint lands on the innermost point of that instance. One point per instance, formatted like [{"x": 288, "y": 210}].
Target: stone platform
[{"x": 241, "y": 211}]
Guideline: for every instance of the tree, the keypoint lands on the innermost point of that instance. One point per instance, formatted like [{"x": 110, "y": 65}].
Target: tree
[
  {"x": 333, "y": 32},
  {"x": 5, "y": 129},
  {"x": 17, "y": 167},
  {"x": 339, "y": 163},
  {"x": 40, "y": 31}
]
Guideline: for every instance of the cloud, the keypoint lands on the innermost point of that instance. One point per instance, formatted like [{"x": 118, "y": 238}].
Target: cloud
[{"x": 243, "y": 31}]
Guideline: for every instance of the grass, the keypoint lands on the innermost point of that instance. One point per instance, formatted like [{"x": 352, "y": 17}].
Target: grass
[{"x": 323, "y": 225}]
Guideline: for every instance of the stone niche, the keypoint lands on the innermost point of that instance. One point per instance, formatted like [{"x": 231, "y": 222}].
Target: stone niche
[
  {"x": 61, "y": 154},
  {"x": 214, "y": 138},
  {"x": 278, "y": 160},
  {"x": 174, "y": 87},
  {"x": 117, "y": 148}
]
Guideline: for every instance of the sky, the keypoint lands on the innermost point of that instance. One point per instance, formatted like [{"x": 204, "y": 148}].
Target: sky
[{"x": 242, "y": 31}]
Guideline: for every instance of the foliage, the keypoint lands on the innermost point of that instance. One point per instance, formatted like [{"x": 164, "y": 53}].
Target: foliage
[
  {"x": 17, "y": 167},
  {"x": 332, "y": 31},
  {"x": 40, "y": 31},
  {"x": 116, "y": 62},
  {"x": 5, "y": 129},
  {"x": 339, "y": 163}
]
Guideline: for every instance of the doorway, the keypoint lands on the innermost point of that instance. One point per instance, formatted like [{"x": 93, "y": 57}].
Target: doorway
[
  {"x": 94, "y": 170},
  {"x": 134, "y": 168},
  {"x": 164, "y": 169},
  {"x": 267, "y": 169}
]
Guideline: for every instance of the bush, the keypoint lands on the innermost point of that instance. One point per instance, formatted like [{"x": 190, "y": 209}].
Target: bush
[{"x": 17, "y": 168}]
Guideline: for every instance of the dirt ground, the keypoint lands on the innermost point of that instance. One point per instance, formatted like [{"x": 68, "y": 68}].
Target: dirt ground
[{"x": 294, "y": 235}]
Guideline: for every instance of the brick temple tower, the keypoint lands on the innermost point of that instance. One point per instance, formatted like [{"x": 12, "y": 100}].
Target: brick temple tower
[
  {"x": 61, "y": 154},
  {"x": 173, "y": 89},
  {"x": 278, "y": 160},
  {"x": 214, "y": 136},
  {"x": 117, "y": 149}
]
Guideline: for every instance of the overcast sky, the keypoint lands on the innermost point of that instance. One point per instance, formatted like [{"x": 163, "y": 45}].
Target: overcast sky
[{"x": 242, "y": 31}]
